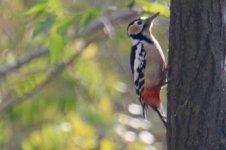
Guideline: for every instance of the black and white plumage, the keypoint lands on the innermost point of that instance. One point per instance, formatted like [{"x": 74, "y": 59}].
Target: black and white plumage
[{"x": 137, "y": 63}]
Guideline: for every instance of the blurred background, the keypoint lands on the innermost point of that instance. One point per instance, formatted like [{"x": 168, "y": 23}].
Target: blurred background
[{"x": 65, "y": 77}]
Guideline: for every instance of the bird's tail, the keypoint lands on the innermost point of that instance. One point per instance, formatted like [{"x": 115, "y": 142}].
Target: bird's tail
[
  {"x": 161, "y": 115},
  {"x": 144, "y": 109}
]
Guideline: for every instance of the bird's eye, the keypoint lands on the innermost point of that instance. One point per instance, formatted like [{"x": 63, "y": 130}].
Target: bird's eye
[{"x": 139, "y": 22}]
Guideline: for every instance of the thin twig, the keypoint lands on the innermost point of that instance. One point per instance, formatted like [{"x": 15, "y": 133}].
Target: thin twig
[{"x": 22, "y": 61}]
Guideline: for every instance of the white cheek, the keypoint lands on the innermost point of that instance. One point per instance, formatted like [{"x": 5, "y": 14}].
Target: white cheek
[{"x": 134, "y": 41}]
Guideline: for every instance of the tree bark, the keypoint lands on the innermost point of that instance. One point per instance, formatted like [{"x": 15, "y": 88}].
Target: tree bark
[{"x": 197, "y": 77}]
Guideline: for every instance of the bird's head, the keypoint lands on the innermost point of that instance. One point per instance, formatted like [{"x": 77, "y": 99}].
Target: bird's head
[{"x": 140, "y": 26}]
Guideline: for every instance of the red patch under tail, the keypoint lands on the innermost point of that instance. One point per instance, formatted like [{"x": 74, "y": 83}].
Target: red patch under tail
[{"x": 152, "y": 97}]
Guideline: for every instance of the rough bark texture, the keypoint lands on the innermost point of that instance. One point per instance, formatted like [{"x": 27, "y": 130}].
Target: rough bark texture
[{"x": 197, "y": 86}]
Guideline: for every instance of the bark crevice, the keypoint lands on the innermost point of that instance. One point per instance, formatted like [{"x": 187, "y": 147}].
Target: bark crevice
[{"x": 196, "y": 93}]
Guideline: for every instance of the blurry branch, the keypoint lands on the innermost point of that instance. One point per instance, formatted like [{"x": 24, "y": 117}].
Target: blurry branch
[
  {"x": 22, "y": 61},
  {"x": 8, "y": 101},
  {"x": 113, "y": 19}
]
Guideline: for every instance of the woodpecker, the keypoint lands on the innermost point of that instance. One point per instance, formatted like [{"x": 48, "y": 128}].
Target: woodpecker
[{"x": 148, "y": 66}]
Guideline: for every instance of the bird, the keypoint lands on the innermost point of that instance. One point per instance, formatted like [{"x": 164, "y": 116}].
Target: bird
[{"x": 148, "y": 65}]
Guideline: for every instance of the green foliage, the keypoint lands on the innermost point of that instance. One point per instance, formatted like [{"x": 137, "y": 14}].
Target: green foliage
[
  {"x": 56, "y": 45},
  {"x": 154, "y": 7},
  {"x": 36, "y": 9},
  {"x": 5, "y": 132},
  {"x": 79, "y": 109},
  {"x": 45, "y": 25},
  {"x": 89, "y": 16},
  {"x": 74, "y": 133},
  {"x": 107, "y": 145}
]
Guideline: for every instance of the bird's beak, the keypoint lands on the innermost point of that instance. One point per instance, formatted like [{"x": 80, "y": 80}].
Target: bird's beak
[{"x": 150, "y": 19}]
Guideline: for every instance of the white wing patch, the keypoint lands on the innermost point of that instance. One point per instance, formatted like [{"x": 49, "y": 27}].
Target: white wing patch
[
  {"x": 139, "y": 66},
  {"x": 139, "y": 61}
]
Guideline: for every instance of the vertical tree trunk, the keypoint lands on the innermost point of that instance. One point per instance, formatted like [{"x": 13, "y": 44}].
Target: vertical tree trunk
[{"x": 197, "y": 86}]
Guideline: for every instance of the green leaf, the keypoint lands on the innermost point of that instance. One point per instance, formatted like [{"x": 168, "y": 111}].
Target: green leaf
[
  {"x": 89, "y": 16},
  {"x": 36, "y": 9},
  {"x": 64, "y": 24},
  {"x": 44, "y": 25},
  {"x": 154, "y": 7},
  {"x": 57, "y": 39},
  {"x": 56, "y": 44}
]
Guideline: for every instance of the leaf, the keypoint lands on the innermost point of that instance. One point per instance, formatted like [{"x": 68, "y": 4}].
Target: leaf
[
  {"x": 56, "y": 43},
  {"x": 44, "y": 25},
  {"x": 56, "y": 7},
  {"x": 89, "y": 16},
  {"x": 36, "y": 9},
  {"x": 63, "y": 26},
  {"x": 57, "y": 39},
  {"x": 154, "y": 7}
]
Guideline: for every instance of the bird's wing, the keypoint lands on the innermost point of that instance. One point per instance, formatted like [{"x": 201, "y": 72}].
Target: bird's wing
[{"x": 137, "y": 62}]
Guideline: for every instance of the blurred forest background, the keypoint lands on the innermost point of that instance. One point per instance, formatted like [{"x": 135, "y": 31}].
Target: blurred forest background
[{"x": 65, "y": 77}]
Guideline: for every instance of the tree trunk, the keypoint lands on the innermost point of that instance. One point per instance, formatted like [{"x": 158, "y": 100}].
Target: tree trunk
[{"x": 197, "y": 77}]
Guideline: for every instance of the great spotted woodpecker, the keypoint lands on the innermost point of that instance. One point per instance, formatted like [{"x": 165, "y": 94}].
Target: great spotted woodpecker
[{"x": 147, "y": 64}]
